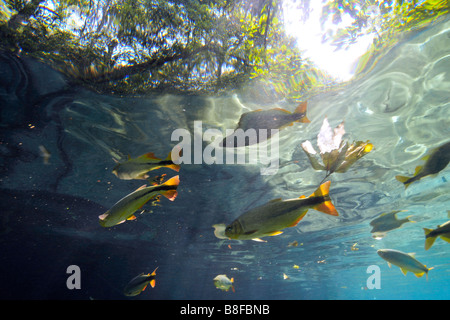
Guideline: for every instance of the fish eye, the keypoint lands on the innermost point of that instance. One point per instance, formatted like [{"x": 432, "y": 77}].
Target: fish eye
[{"x": 229, "y": 229}]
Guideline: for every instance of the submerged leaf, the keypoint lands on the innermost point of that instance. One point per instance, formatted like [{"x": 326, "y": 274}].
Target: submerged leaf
[
  {"x": 327, "y": 140},
  {"x": 337, "y": 155}
]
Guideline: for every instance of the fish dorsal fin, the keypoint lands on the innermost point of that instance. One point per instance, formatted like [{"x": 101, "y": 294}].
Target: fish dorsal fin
[
  {"x": 154, "y": 272},
  {"x": 301, "y": 108},
  {"x": 275, "y": 200},
  {"x": 412, "y": 254},
  {"x": 282, "y": 110},
  {"x": 149, "y": 155},
  {"x": 418, "y": 169}
]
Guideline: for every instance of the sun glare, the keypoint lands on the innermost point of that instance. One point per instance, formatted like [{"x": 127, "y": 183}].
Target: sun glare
[{"x": 338, "y": 63}]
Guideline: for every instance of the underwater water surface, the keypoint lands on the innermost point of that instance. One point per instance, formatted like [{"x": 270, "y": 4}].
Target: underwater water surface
[{"x": 50, "y": 207}]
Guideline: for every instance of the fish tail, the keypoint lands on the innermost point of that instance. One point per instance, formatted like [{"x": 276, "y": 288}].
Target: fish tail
[
  {"x": 174, "y": 156},
  {"x": 326, "y": 206},
  {"x": 302, "y": 109},
  {"x": 171, "y": 194},
  {"x": 429, "y": 240},
  {"x": 403, "y": 180}
]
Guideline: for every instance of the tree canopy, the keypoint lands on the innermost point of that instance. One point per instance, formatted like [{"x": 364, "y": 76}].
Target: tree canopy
[{"x": 193, "y": 46}]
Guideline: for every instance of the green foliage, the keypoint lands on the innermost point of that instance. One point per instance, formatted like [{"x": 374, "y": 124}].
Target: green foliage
[
  {"x": 388, "y": 20},
  {"x": 198, "y": 46},
  {"x": 137, "y": 46}
]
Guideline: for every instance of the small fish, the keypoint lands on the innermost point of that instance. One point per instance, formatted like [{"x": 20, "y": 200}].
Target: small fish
[
  {"x": 223, "y": 283},
  {"x": 138, "y": 168},
  {"x": 406, "y": 262},
  {"x": 265, "y": 119},
  {"x": 436, "y": 161},
  {"x": 293, "y": 243},
  {"x": 271, "y": 218},
  {"x": 125, "y": 207},
  {"x": 139, "y": 283},
  {"x": 385, "y": 222},
  {"x": 45, "y": 154},
  {"x": 442, "y": 231}
]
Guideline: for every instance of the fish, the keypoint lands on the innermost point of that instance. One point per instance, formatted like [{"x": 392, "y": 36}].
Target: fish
[
  {"x": 442, "y": 231},
  {"x": 270, "y": 218},
  {"x": 406, "y": 262},
  {"x": 276, "y": 118},
  {"x": 124, "y": 209},
  {"x": 45, "y": 154},
  {"x": 138, "y": 168},
  {"x": 140, "y": 283},
  {"x": 387, "y": 221},
  {"x": 435, "y": 162},
  {"x": 223, "y": 283}
]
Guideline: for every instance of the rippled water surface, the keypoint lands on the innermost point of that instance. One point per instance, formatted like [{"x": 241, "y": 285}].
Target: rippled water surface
[{"x": 50, "y": 211}]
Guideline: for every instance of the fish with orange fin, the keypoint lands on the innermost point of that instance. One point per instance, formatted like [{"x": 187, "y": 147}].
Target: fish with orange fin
[
  {"x": 276, "y": 118},
  {"x": 125, "y": 208},
  {"x": 137, "y": 168},
  {"x": 435, "y": 162},
  {"x": 270, "y": 218},
  {"x": 140, "y": 283}
]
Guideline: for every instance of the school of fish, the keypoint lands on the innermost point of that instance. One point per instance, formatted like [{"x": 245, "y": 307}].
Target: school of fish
[{"x": 276, "y": 215}]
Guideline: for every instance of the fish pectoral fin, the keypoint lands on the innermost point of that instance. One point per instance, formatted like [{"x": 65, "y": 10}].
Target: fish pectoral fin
[{"x": 259, "y": 240}]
